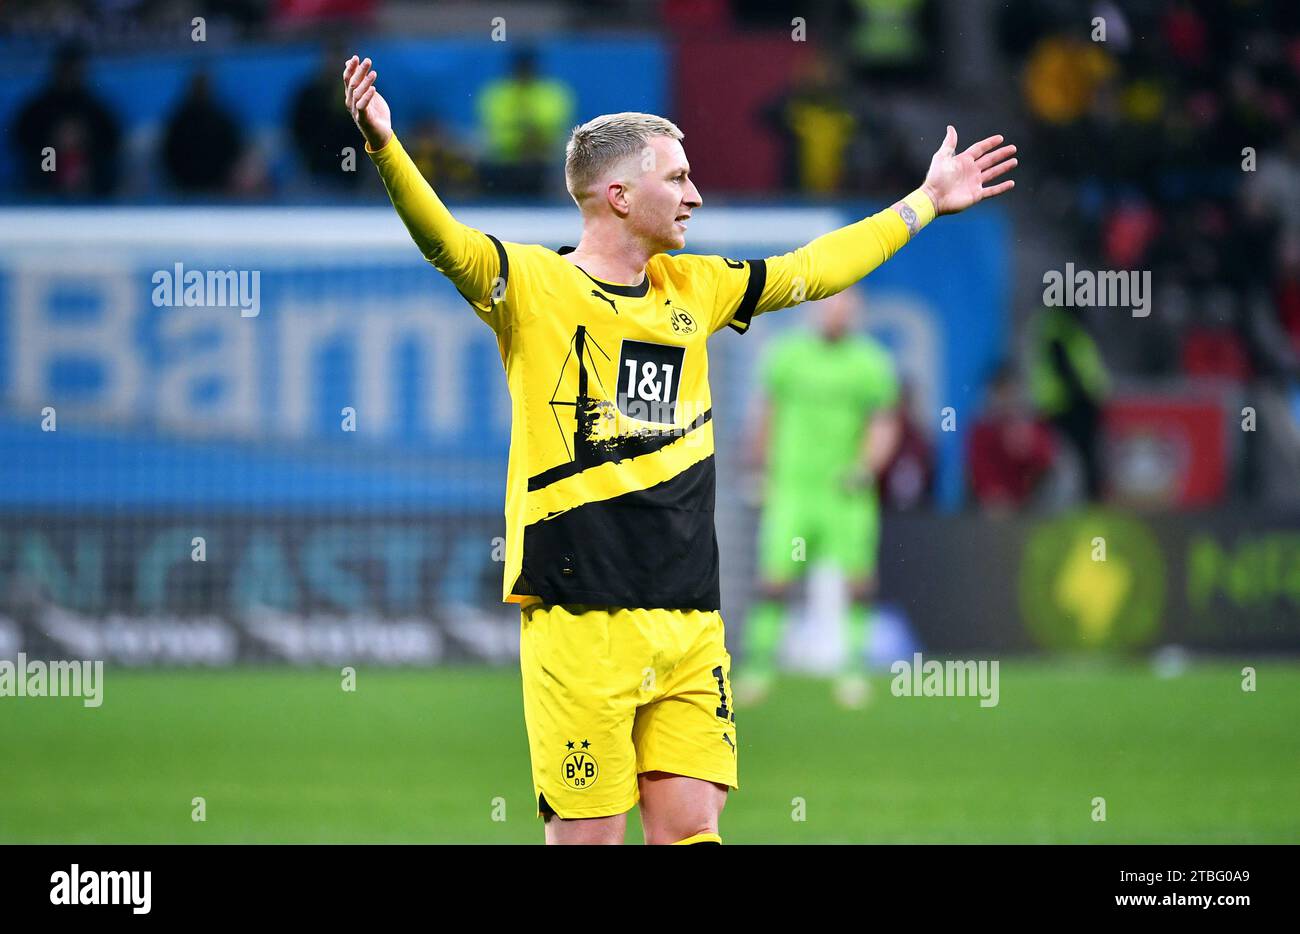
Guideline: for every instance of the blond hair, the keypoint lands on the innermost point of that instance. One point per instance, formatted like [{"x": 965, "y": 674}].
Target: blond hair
[{"x": 600, "y": 143}]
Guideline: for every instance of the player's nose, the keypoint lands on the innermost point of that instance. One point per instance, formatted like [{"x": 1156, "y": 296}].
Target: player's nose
[{"x": 693, "y": 198}]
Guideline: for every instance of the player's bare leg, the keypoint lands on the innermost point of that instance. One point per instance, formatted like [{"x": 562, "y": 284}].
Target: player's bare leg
[
  {"x": 588, "y": 830},
  {"x": 675, "y": 807}
]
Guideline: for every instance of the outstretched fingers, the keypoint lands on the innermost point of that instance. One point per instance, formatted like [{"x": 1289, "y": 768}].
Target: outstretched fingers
[
  {"x": 993, "y": 158},
  {"x": 976, "y": 150},
  {"x": 997, "y": 189},
  {"x": 1001, "y": 169},
  {"x": 993, "y": 163},
  {"x": 364, "y": 101},
  {"x": 360, "y": 90},
  {"x": 366, "y": 84},
  {"x": 359, "y": 73}
]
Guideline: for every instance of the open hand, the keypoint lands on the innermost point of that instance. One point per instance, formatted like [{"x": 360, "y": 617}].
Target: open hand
[
  {"x": 367, "y": 106},
  {"x": 956, "y": 181}
]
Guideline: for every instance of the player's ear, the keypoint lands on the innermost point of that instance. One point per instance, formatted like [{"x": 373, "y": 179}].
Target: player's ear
[{"x": 617, "y": 194}]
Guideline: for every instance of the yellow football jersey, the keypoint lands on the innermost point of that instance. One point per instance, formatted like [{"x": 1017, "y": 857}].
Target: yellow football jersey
[{"x": 610, "y": 485}]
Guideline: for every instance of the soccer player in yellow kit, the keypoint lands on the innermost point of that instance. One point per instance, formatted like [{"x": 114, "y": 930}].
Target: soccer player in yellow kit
[{"x": 610, "y": 545}]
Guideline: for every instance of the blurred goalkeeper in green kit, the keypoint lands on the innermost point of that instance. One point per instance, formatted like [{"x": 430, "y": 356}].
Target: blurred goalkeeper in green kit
[{"x": 828, "y": 425}]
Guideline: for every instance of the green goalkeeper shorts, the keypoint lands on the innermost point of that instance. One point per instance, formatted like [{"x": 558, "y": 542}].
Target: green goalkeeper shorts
[{"x": 798, "y": 528}]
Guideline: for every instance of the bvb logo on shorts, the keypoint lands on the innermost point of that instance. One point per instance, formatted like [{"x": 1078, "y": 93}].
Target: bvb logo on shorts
[{"x": 579, "y": 768}]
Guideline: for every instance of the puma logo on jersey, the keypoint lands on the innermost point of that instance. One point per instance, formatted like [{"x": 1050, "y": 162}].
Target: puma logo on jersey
[{"x": 605, "y": 298}]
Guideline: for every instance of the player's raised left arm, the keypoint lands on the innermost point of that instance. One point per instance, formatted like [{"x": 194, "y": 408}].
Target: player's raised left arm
[{"x": 836, "y": 260}]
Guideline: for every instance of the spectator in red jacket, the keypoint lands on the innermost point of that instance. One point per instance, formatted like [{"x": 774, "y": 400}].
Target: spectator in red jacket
[{"x": 1010, "y": 450}]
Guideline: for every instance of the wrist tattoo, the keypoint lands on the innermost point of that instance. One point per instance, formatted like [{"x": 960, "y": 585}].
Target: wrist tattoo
[{"x": 909, "y": 218}]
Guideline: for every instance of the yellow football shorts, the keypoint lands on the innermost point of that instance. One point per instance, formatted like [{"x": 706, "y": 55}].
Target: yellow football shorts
[{"x": 610, "y": 693}]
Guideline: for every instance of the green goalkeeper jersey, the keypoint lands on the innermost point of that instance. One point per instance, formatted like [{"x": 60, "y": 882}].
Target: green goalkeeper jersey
[{"x": 822, "y": 394}]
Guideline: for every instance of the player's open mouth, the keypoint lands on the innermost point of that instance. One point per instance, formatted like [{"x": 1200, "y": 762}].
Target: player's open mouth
[{"x": 681, "y": 221}]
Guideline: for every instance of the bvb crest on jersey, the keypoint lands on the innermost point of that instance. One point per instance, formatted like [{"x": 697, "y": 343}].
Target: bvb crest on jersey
[
  {"x": 681, "y": 319},
  {"x": 579, "y": 768}
]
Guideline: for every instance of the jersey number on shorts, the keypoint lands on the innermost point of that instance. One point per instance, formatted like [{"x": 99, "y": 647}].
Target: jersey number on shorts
[{"x": 722, "y": 712}]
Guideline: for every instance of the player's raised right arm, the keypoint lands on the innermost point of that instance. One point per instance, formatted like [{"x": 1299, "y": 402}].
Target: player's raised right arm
[
  {"x": 836, "y": 260},
  {"x": 465, "y": 255}
]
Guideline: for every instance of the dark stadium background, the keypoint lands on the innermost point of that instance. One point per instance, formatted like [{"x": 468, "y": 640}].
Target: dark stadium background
[{"x": 200, "y": 136}]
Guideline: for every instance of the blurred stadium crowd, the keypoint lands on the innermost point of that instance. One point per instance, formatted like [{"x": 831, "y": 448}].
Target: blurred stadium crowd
[{"x": 1169, "y": 144}]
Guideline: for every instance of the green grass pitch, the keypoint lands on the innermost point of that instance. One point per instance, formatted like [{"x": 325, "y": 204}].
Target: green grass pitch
[{"x": 285, "y": 755}]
